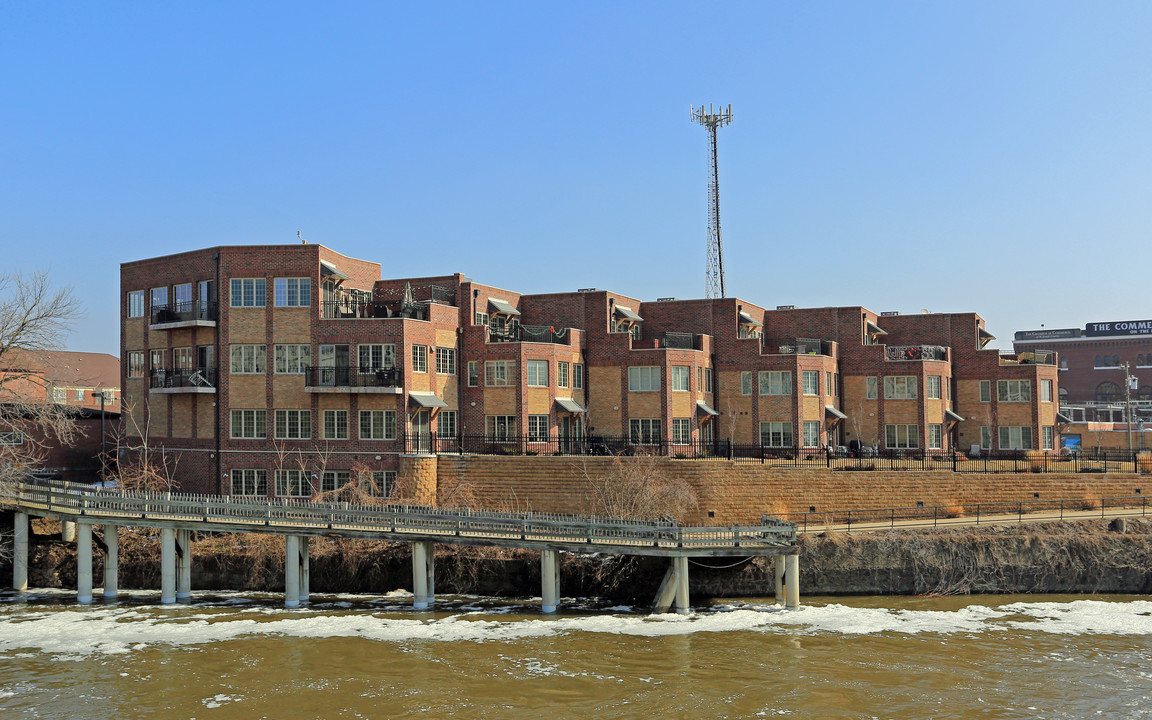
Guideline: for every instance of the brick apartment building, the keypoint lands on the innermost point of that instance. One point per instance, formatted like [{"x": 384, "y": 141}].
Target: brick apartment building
[{"x": 283, "y": 369}]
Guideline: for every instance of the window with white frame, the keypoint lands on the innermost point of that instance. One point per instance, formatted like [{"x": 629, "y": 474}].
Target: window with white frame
[
  {"x": 419, "y": 358},
  {"x": 644, "y": 431},
  {"x": 900, "y": 387},
  {"x": 561, "y": 374},
  {"x": 776, "y": 434},
  {"x": 681, "y": 431},
  {"x": 933, "y": 388},
  {"x": 473, "y": 373},
  {"x": 1014, "y": 390},
  {"x": 1045, "y": 391},
  {"x": 109, "y": 396},
  {"x": 249, "y": 424},
  {"x": 901, "y": 436},
  {"x": 680, "y": 378},
  {"x": 1047, "y": 437},
  {"x": 985, "y": 391},
  {"x": 11, "y": 437},
  {"x": 746, "y": 383},
  {"x": 499, "y": 428},
  {"x": 290, "y": 359},
  {"x": 293, "y": 483},
  {"x": 577, "y": 376},
  {"x": 293, "y": 424},
  {"x": 986, "y": 438},
  {"x": 136, "y": 303},
  {"x": 829, "y": 384},
  {"x": 248, "y": 292},
  {"x": 446, "y": 361},
  {"x": 333, "y": 480},
  {"x": 136, "y": 363},
  {"x": 247, "y": 359},
  {"x": 536, "y": 372},
  {"x": 383, "y": 483},
  {"x": 1013, "y": 437},
  {"x": 870, "y": 388},
  {"x": 184, "y": 358},
  {"x": 446, "y": 424},
  {"x": 811, "y": 433},
  {"x": 499, "y": 373},
  {"x": 707, "y": 380},
  {"x": 251, "y": 483},
  {"x": 182, "y": 297},
  {"x": 157, "y": 359},
  {"x": 335, "y": 425},
  {"x": 935, "y": 437},
  {"x": 811, "y": 380},
  {"x": 59, "y": 395},
  {"x": 377, "y": 424},
  {"x": 376, "y": 356},
  {"x": 537, "y": 428},
  {"x": 775, "y": 382},
  {"x": 159, "y": 298},
  {"x": 644, "y": 378},
  {"x": 481, "y": 319},
  {"x": 292, "y": 292}
]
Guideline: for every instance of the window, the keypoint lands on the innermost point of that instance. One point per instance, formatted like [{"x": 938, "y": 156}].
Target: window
[
  {"x": 182, "y": 297},
  {"x": 935, "y": 437},
  {"x": 184, "y": 358},
  {"x": 644, "y": 379},
  {"x": 870, "y": 388},
  {"x": 383, "y": 483},
  {"x": 1047, "y": 437},
  {"x": 933, "y": 388},
  {"x": 537, "y": 372},
  {"x": 561, "y": 374},
  {"x": 446, "y": 424},
  {"x": 291, "y": 292},
  {"x": 499, "y": 373},
  {"x": 136, "y": 363},
  {"x": 333, "y": 480},
  {"x": 985, "y": 391},
  {"x": 1108, "y": 392},
  {"x": 1100, "y": 362},
  {"x": 775, "y": 382},
  {"x": 901, "y": 436},
  {"x": 59, "y": 395},
  {"x": 420, "y": 358},
  {"x": 537, "y": 428},
  {"x": 473, "y": 373},
  {"x": 985, "y": 438},
  {"x": 11, "y": 437},
  {"x": 247, "y": 359},
  {"x": 335, "y": 424},
  {"x": 250, "y": 482},
  {"x": 293, "y": 424},
  {"x": 248, "y": 292},
  {"x": 811, "y": 433},
  {"x": 249, "y": 424},
  {"x": 159, "y": 298},
  {"x": 776, "y": 434},
  {"x": 681, "y": 431},
  {"x": 290, "y": 359},
  {"x": 745, "y": 383},
  {"x": 1014, "y": 390},
  {"x": 378, "y": 424},
  {"x": 78, "y": 396},
  {"x": 292, "y": 483},
  {"x": 481, "y": 319},
  {"x": 900, "y": 387},
  {"x": 707, "y": 380},
  {"x": 829, "y": 384},
  {"x": 109, "y": 396},
  {"x": 446, "y": 361},
  {"x": 644, "y": 431},
  {"x": 681, "y": 378},
  {"x": 1046, "y": 391},
  {"x": 811, "y": 379},
  {"x": 136, "y": 304},
  {"x": 577, "y": 376},
  {"x": 157, "y": 359},
  {"x": 376, "y": 357},
  {"x": 1015, "y": 437},
  {"x": 499, "y": 428}
]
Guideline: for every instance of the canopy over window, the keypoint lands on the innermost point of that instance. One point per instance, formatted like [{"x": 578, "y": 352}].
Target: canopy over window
[
  {"x": 625, "y": 312},
  {"x": 425, "y": 399},
  {"x": 327, "y": 269},
  {"x": 874, "y": 329},
  {"x": 570, "y": 405},
  {"x": 833, "y": 413},
  {"x": 705, "y": 409},
  {"x": 746, "y": 319},
  {"x": 953, "y": 416},
  {"x": 503, "y": 306}
]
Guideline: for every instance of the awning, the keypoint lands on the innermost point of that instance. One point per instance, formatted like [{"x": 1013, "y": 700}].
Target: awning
[
  {"x": 425, "y": 399},
  {"x": 953, "y": 416},
  {"x": 503, "y": 306},
  {"x": 832, "y": 412},
  {"x": 570, "y": 405},
  {"x": 705, "y": 408},
  {"x": 746, "y": 319},
  {"x": 985, "y": 335},
  {"x": 1062, "y": 418},
  {"x": 874, "y": 329},
  {"x": 627, "y": 313},
  {"x": 328, "y": 269}
]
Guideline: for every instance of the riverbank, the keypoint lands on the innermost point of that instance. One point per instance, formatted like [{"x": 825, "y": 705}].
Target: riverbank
[{"x": 1086, "y": 556}]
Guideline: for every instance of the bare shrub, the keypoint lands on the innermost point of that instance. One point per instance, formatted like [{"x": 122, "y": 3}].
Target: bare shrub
[
  {"x": 137, "y": 463},
  {"x": 639, "y": 488},
  {"x": 1090, "y": 502},
  {"x": 952, "y": 510},
  {"x": 1144, "y": 462}
]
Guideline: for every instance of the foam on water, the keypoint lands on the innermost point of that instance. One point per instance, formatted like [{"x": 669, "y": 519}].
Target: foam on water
[{"x": 70, "y": 632}]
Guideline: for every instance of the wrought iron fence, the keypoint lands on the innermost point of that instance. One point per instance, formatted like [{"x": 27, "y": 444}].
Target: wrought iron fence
[
  {"x": 183, "y": 312},
  {"x": 531, "y": 333},
  {"x": 182, "y": 377},
  {"x": 1040, "y": 461},
  {"x": 915, "y": 352},
  {"x": 796, "y": 346},
  {"x": 345, "y": 376}
]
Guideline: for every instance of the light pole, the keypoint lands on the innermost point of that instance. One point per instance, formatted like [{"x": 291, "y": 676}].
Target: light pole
[
  {"x": 1128, "y": 378},
  {"x": 103, "y": 436}
]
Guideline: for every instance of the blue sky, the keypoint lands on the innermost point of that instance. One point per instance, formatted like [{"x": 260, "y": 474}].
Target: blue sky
[{"x": 950, "y": 156}]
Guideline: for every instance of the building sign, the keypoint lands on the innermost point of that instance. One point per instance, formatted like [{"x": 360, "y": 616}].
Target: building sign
[
  {"x": 1065, "y": 334},
  {"x": 1130, "y": 327}
]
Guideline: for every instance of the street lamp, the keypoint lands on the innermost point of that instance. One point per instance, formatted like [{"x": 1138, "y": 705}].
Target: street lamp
[{"x": 103, "y": 436}]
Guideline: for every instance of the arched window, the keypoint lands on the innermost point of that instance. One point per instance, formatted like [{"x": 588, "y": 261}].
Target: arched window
[
  {"x": 1115, "y": 361},
  {"x": 1063, "y": 393},
  {"x": 1108, "y": 392},
  {"x": 1144, "y": 393},
  {"x": 1098, "y": 362}
]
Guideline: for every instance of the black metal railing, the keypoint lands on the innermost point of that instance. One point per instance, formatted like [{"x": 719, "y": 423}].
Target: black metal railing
[
  {"x": 1040, "y": 461},
  {"x": 346, "y": 376},
  {"x": 679, "y": 341},
  {"x": 183, "y": 312},
  {"x": 182, "y": 378},
  {"x": 531, "y": 333},
  {"x": 1037, "y": 357},
  {"x": 795, "y": 346},
  {"x": 900, "y": 353}
]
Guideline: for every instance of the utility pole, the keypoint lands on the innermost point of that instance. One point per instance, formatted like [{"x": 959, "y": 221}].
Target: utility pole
[
  {"x": 714, "y": 273},
  {"x": 1128, "y": 382}
]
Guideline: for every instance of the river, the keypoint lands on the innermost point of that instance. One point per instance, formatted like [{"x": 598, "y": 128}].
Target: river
[{"x": 232, "y": 655}]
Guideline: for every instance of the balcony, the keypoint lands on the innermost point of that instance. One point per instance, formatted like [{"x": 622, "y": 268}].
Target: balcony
[
  {"x": 190, "y": 313},
  {"x": 414, "y": 305},
  {"x": 531, "y": 333},
  {"x": 183, "y": 380},
  {"x": 912, "y": 353},
  {"x": 1032, "y": 357},
  {"x": 679, "y": 341},
  {"x": 344, "y": 379},
  {"x": 796, "y": 346}
]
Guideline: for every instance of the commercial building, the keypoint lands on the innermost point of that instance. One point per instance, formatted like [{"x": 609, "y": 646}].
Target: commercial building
[{"x": 289, "y": 369}]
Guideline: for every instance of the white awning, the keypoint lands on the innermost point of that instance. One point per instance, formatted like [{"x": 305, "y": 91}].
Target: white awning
[
  {"x": 705, "y": 408},
  {"x": 570, "y": 405},
  {"x": 330, "y": 270},
  {"x": 746, "y": 319},
  {"x": 1062, "y": 418},
  {"x": 503, "y": 306},
  {"x": 627, "y": 313},
  {"x": 832, "y": 412},
  {"x": 953, "y": 416},
  {"x": 874, "y": 329},
  {"x": 984, "y": 334},
  {"x": 425, "y": 399}
]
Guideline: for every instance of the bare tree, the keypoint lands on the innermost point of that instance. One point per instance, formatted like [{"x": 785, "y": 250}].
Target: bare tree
[
  {"x": 138, "y": 463},
  {"x": 639, "y": 488}
]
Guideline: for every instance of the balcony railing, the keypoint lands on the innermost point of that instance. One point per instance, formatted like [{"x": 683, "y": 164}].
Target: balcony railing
[
  {"x": 678, "y": 341},
  {"x": 343, "y": 376},
  {"x": 796, "y": 346},
  {"x": 1037, "y": 357},
  {"x": 904, "y": 353},
  {"x": 531, "y": 333},
  {"x": 187, "y": 311},
  {"x": 182, "y": 378}
]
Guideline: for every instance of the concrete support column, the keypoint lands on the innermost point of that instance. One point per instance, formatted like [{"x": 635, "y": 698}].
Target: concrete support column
[
  {"x": 430, "y": 571},
  {"x": 184, "y": 569},
  {"x": 20, "y": 552},
  {"x": 305, "y": 576},
  {"x": 67, "y": 531},
  {"x": 680, "y": 564},
  {"x": 549, "y": 581},
  {"x": 420, "y": 575},
  {"x": 111, "y": 562},
  {"x": 292, "y": 571},
  {"x": 779, "y": 562},
  {"x": 792, "y": 598},
  {"x": 167, "y": 566},
  {"x": 83, "y": 563},
  {"x": 667, "y": 590}
]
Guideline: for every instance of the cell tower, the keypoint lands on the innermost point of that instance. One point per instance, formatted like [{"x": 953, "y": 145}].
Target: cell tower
[{"x": 714, "y": 277}]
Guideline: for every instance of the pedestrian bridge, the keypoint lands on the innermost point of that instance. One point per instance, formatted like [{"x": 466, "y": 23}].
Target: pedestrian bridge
[{"x": 177, "y": 515}]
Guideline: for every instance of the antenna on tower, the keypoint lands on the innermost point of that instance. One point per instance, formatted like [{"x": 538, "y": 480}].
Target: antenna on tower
[{"x": 714, "y": 273}]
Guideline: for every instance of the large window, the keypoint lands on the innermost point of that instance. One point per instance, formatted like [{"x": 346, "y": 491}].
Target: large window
[
  {"x": 681, "y": 431},
  {"x": 383, "y": 483},
  {"x": 333, "y": 480},
  {"x": 933, "y": 389},
  {"x": 644, "y": 378},
  {"x": 776, "y": 434},
  {"x": 901, "y": 436},
  {"x": 577, "y": 376},
  {"x": 499, "y": 428},
  {"x": 11, "y": 437},
  {"x": 249, "y": 424},
  {"x": 378, "y": 424},
  {"x": 248, "y": 359},
  {"x": 335, "y": 425},
  {"x": 473, "y": 373},
  {"x": 446, "y": 424},
  {"x": 707, "y": 380},
  {"x": 184, "y": 358},
  {"x": 537, "y": 428},
  {"x": 290, "y": 359},
  {"x": 870, "y": 385},
  {"x": 376, "y": 356},
  {"x": 1047, "y": 437},
  {"x": 182, "y": 297},
  {"x": 681, "y": 377},
  {"x": 536, "y": 372},
  {"x": 446, "y": 361},
  {"x": 159, "y": 298},
  {"x": 746, "y": 383},
  {"x": 291, "y": 292},
  {"x": 136, "y": 363},
  {"x": 1014, "y": 390},
  {"x": 935, "y": 437},
  {"x": 811, "y": 433},
  {"x": 248, "y": 292},
  {"x": 985, "y": 391},
  {"x": 250, "y": 482},
  {"x": 292, "y": 483},
  {"x": 900, "y": 387},
  {"x": 561, "y": 374},
  {"x": 1108, "y": 392},
  {"x": 1015, "y": 437},
  {"x": 499, "y": 373},
  {"x": 136, "y": 304},
  {"x": 419, "y": 358},
  {"x": 775, "y": 382},
  {"x": 644, "y": 431},
  {"x": 1046, "y": 391},
  {"x": 811, "y": 379},
  {"x": 293, "y": 424}
]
